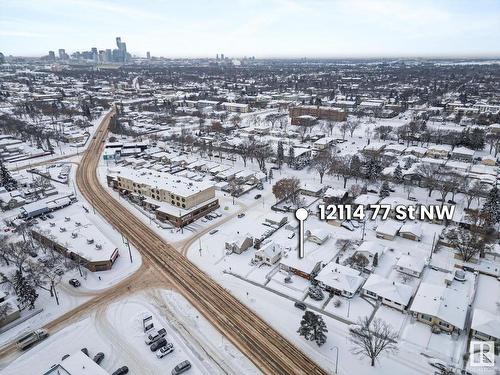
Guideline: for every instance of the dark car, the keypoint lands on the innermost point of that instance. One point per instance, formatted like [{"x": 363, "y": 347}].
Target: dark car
[
  {"x": 121, "y": 371},
  {"x": 75, "y": 283},
  {"x": 241, "y": 215},
  {"x": 257, "y": 196},
  {"x": 300, "y": 305},
  {"x": 85, "y": 351},
  {"x": 99, "y": 357},
  {"x": 158, "y": 344},
  {"x": 181, "y": 367},
  {"x": 64, "y": 357}
]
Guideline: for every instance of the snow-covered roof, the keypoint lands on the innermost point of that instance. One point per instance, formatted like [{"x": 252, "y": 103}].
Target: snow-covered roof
[
  {"x": 389, "y": 227},
  {"x": 366, "y": 199},
  {"x": 463, "y": 151},
  {"x": 411, "y": 228},
  {"x": 412, "y": 263},
  {"x": 160, "y": 180},
  {"x": 75, "y": 235},
  {"x": 486, "y": 322},
  {"x": 372, "y": 248},
  {"x": 340, "y": 277},
  {"x": 334, "y": 193},
  {"x": 302, "y": 264},
  {"x": 77, "y": 364},
  {"x": 391, "y": 290},
  {"x": 447, "y": 304}
]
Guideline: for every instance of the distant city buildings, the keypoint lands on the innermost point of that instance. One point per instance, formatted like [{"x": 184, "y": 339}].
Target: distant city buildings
[{"x": 117, "y": 55}]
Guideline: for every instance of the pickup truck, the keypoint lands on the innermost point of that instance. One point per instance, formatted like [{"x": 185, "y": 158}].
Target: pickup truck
[{"x": 155, "y": 335}]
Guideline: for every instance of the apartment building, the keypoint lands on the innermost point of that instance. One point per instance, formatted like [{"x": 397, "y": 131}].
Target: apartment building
[
  {"x": 320, "y": 112},
  {"x": 176, "y": 199}
]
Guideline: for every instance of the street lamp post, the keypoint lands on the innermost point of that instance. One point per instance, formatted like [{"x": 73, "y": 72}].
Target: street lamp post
[{"x": 336, "y": 358}]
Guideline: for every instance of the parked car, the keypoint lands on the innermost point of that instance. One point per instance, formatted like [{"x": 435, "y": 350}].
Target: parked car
[
  {"x": 165, "y": 350},
  {"x": 300, "y": 305},
  {"x": 85, "y": 351},
  {"x": 213, "y": 231},
  {"x": 155, "y": 335},
  {"x": 59, "y": 271},
  {"x": 121, "y": 371},
  {"x": 241, "y": 215},
  {"x": 181, "y": 367},
  {"x": 64, "y": 357},
  {"x": 158, "y": 344},
  {"x": 257, "y": 196},
  {"x": 99, "y": 357},
  {"x": 50, "y": 216},
  {"x": 74, "y": 282}
]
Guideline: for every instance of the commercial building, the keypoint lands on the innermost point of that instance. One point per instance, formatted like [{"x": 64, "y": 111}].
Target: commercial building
[{"x": 78, "y": 239}]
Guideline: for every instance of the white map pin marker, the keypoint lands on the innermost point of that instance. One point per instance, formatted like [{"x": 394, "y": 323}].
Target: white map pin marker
[{"x": 301, "y": 214}]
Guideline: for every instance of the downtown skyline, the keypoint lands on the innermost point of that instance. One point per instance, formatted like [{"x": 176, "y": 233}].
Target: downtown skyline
[{"x": 277, "y": 28}]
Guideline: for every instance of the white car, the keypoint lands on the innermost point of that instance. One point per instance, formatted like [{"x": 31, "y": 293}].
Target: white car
[
  {"x": 165, "y": 350},
  {"x": 291, "y": 235}
]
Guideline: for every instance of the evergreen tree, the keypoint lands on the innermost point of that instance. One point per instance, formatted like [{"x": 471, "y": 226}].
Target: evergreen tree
[
  {"x": 398, "y": 174},
  {"x": 280, "y": 154},
  {"x": 384, "y": 190},
  {"x": 270, "y": 174},
  {"x": 291, "y": 156},
  {"x": 313, "y": 328},
  {"x": 491, "y": 207},
  {"x": 26, "y": 294},
  {"x": 375, "y": 260},
  {"x": 6, "y": 179}
]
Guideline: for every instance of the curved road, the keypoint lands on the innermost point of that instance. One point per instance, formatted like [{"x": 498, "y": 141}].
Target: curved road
[{"x": 263, "y": 345}]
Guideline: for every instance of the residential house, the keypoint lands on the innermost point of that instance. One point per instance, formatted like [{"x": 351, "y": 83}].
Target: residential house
[
  {"x": 341, "y": 280},
  {"x": 440, "y": 306},
  {"x": 462, "y": 153},
  {"x": 318, "y": 236},
  {"x": 485, "y": 326},
  {"x": 304, "y": 268},
  {"x": 269, "y": 253},
  {"x": 410, "y": 265},
  {"x": 388, "y": 230},
  {"x": 411, "y": 231},
  {"x": 239, "y": 244},
  {"x": 390, "y": 293}
]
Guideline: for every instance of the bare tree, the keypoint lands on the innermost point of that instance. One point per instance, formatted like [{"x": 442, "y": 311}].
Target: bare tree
[
  {"x": 428, "y": 173},
  {"x": 344, "y": 127},
  {"x": 466, "y": 243},
  {"x": 321, "y": 163},
  {"x": 287, "y": 188},
  {"x": 246, "y": 150},
  {"x": 372, "y": 339},
  {"x": 352, "y": 125},
  {"x": 472, "y": 190},
  {"x": 330, "y": 125}
]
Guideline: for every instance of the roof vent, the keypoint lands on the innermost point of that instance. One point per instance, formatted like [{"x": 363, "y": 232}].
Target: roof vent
[
  {"x": 74, "y": 235},
  {"x": 52, "y": 224},
  {"x": 78, "y": 224},
  {"x": 66, "y": 218},
  {"x": 98, "y": 246},
  {"x": 90, "y": 241},
  {"x": 62, "y": 229}
]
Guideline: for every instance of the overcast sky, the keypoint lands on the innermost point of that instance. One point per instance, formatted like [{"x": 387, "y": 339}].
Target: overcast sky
[{"x": 262, "y": 28}]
